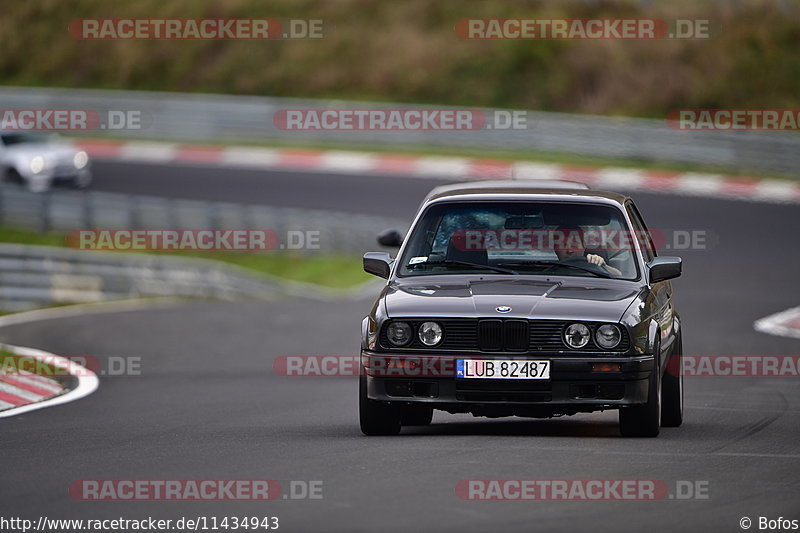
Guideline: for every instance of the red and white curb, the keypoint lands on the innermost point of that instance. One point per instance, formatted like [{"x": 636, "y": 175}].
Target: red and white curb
[
  {"x": 686, "y": 183},
  {"x": 785, "y": 324},
  {"x": 21, "y": 388},
  {"x": 23, "y": 392}
]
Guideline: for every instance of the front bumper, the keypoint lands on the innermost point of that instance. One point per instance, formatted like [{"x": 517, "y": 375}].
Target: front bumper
[
  {"x": 573, "y": 385},
  {"x": 69, "y": 175},
  {"x": 58, "y": 176}
]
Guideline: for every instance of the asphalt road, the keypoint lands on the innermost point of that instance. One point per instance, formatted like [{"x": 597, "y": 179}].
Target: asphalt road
[
  {"x": 208, "y": 405},
  {"x": 285, "y": 188}
]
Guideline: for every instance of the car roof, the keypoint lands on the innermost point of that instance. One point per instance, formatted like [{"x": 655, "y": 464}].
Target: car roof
[{"x": 511, "y": 189}]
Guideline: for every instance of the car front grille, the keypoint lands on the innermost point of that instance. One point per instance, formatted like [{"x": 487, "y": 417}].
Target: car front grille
[
  {"x": 64, "y": 169},
  {"x": 500, "y": 336},
  {"x": 503, "y": 335}
]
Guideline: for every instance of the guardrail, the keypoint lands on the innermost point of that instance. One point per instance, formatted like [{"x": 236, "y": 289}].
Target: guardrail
[
  {"x": 63, "y": 210},
  {"x": 221, "y": 118},
  {"x": 38, "y": 276}
]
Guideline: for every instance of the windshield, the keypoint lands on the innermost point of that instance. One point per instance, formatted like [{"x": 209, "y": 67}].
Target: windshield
[
  {"x": 565, "y": 239},
  {"x": 20, "y": 138}
]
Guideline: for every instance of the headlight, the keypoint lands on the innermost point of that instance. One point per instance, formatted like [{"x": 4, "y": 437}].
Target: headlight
[
  {"x": 399, "y": 333},
  {"x": 37, "y": 164},
  {"x": 430, "y": 333},
  {"x": 577, "y": 335},
  {"x": 607, "y": 336},
  {"x": 80, "y": 160}
]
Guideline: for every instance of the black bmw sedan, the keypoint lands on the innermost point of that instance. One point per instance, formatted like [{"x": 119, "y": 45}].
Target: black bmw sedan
[{"x": 527, "y": 299}]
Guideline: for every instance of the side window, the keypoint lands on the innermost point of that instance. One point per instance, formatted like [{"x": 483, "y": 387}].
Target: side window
[{"x": 642, "y": 234}]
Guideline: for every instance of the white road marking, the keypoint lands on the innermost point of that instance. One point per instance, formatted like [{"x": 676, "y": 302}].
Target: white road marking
[
  {"x": 349, "y": 161},
  {"x": 147, "y": 151},
  {"x": 249, "y": 157},
  {"x": 534, "y": 171},
  {"x": 451, "y": 167},
  {"x": 697, "y": 184},
  {"x": 620, "y": 177},
  {"x": 87, "y": 380},
  {"x": 784, "y": 324}
]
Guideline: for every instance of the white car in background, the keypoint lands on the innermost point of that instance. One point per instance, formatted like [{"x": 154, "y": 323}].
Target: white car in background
[{"x": 41, "y": 160}]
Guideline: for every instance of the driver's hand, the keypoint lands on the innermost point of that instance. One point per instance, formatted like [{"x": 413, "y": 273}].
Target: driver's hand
[
  {"x": 599, "y": 261},
  {"x": 596, "y": 260}
]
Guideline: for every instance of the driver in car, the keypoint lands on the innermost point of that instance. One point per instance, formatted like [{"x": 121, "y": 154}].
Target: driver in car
[{"x": 568, "y": 246}]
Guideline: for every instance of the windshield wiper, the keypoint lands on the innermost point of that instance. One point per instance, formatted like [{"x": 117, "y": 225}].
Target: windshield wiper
[
  {"x": 462, "y": 263},
  {"x": 551, "y": 264}
]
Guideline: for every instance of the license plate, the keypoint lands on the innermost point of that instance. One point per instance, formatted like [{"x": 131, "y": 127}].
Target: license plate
[{"x": 502, "y": 369}]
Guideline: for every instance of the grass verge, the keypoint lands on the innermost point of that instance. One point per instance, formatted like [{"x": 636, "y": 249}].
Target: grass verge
[{"x": 328, "y": 270}]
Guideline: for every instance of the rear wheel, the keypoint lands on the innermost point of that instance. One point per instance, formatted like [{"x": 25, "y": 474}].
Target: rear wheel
[
  {"x": 672, "y": 389},
  {"x": 377, "y": 418},
  {"x": 644, "y": 420},
  {"x": 416, "y": 415}
]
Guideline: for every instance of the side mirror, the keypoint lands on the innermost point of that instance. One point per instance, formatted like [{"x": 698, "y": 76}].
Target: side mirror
[
  {"x": 390, "y": 238},
  {"x": 378, "y": 264},
  {"x": 664, "y": 268}
]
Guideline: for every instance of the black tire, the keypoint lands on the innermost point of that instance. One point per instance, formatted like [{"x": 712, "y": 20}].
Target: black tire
[
  {"x": 81, "y": 183},
  {"x": 644, "y": 420},
  {"x": 416, "y": 415},
  {"x": 377, "y": 418},
  {"x": 672, "y": 389},
  {"x": 12, "y": 176}
]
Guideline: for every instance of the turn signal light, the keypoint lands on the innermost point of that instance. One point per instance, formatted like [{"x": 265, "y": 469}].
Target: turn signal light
[{"x": 606, "y": 367}]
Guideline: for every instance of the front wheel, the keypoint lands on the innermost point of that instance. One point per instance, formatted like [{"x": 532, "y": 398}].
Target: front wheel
[
  {"x": 37, "y": 186},
  {"x": 672, "y": 389},
  {"x": 12, "y": 176},
  {"x": 644, "y": 420},
  {"x": 377, "y": 418},
  {"x": 82, "y": 181}
]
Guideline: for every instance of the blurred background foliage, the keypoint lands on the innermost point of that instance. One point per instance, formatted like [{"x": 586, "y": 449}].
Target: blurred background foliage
[{"x": 408, "y": 52}]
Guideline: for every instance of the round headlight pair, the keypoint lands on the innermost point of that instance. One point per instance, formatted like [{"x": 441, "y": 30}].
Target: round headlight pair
[
  {"x": 401, "y": 333},
  {"x": 607, "y": 336},
  {"x": 37, "y": 164},
  {"x": 80, "y": 160}
]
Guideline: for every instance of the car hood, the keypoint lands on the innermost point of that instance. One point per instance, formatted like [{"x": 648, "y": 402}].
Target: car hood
[{"x": 563, "y": 299}]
